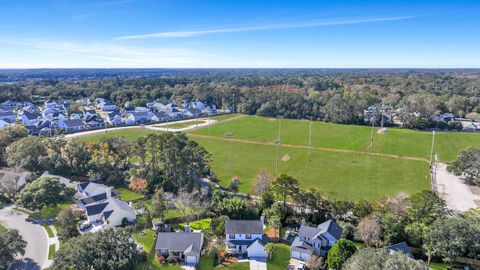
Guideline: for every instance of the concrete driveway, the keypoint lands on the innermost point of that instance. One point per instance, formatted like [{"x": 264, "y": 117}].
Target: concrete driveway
[
  {"x": 37, "y": 248},
  {"x": 258, "y": 263}
]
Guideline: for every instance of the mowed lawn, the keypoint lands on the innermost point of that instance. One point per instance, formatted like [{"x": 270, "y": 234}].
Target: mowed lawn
[
  {"x": 395, "y": 141},
  {"x": 337, "y": 175}
]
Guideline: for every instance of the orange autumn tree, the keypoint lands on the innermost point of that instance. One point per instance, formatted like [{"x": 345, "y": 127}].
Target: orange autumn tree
[{"x": 139, "y": 185}]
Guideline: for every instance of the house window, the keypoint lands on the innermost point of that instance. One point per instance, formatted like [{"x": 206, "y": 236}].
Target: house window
[
  {"x": 231, "y": 236},
  {"x": 248, "y": 236}
]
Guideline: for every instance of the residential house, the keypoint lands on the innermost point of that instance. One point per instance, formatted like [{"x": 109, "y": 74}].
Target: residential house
[
  {"x": 198, "y": 105},
  {"x": 9, "y": 105},
  {"x": 114, "y": 119},
  {"x": 92, "y": 192},
  {"x": 110, "y": 213},
  {"x": 8, "y": 116},
  {"x": 88, "y": 113},
  {"x": 55, "y": 116},
  {"x": 4, "y": 124},
  {"x": 98, "y": 102},
  {"x": 108, "y": 106},
  {"x": 401, "y": 247},
  {"x": 140, "y": 117},
  {"x": 30, "y": 119},
  {"x": 186, "y": 113},
  {"x": 187, "y": 246},
  {"x": 210, "y": 110},
  {"x": 72, "y": 125},
  {"x": 65, "y": 103},
  {"x": 195, "y": 112},
  {"x": 470, "y": 127},
  {"x": 150, "y": 104},
  {"x": 159, "y": 106},
  {"x": 159, "y": 116},
  {"x": 315, "y": 240},
  {"x": 94, "y": 121},
  {"x": 142, "y": 109},
  {"x": 50, "y": 103},
  {"x": 75, "y": 116},
  {"x": 174, "y": 113},
  {"x": 245, "y": 236}
]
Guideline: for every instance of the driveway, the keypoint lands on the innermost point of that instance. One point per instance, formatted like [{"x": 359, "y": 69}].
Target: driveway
[
  {"x": 458, "y": 195},
  {"x": 258, "y": 263},
  {"x": 37, "y": 248}
]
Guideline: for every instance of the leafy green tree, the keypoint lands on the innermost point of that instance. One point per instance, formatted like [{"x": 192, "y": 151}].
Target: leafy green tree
[
  {"x": 68, "y": 224},
  {"x": 269, "y": 249},
  {"x": 9, "y": 135},
  {"x": 219, "y": 225},
  {"x": 11, "y": 245},
  {"x": 467, "y": 165},
  {"x": 78, "y": 157},
  {"x": 339, "y": 253},
  {"x": 45, "y": 191},
  {"x": 285, "y": 186},
  {"x": 26, "y": 153},
  {"x": 362, "y": 209},
  {"x": 453, "y": 236},
  {"x": 159, "y": 204},
  {"x": 380, "y": 259},
  {"x": 111, "y": 249},
  {"x": 426, "y": 207}
]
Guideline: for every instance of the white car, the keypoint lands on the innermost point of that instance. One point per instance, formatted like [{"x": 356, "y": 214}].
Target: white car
[{"x": 301, "y": 266}]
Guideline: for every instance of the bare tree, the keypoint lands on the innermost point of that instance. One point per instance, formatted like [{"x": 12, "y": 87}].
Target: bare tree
[
  {"x": 399, "y": 204},
  {"x": 370, "y": 231},
  {"x": 9, "y": 184},
  {"x": 263, "y": 183},
  {"x": 315, "y": 262},
  {"x": 190, "y": 203}
]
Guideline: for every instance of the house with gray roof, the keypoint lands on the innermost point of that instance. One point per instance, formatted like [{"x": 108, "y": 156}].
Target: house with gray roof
[
  {"x": 186, "y": 246},
  {"x": 315, "y": 240},
  {"x": 245, "y": 237},
  {"x": 401, "y": 247}
]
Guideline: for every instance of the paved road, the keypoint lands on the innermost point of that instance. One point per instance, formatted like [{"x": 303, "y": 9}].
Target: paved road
[{"x": 37, "y": 250}]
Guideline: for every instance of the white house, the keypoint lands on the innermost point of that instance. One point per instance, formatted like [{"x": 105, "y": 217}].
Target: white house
[
  {"x": 108, "y": 106},
  {"x": 470, "y": 127},
  {"x": 50, "y": 103},
  {"x": 114, "y": 119},
  {"x": 142, "y": 109},
  {"x": 245, "y": 236},
  {"x": 140, "y": 117},
  {"x": 3, "y": 124},
  {"x": 159, "y": 106},
  {"x": 30, "y": 119},
  {"x": 174, "y": 112},
  {"x": 187, "y": 246},
  {"x": 8, "y": 116},
  {"x": 159, "y": 116},
  {"x": 72, "y": 125},
  {"x": 315, "y": 240}
]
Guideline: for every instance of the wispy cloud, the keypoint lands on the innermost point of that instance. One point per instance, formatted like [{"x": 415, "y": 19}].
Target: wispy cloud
[{"x": 194, "y": 33}]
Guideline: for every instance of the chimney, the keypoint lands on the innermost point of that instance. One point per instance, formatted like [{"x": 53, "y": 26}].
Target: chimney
[
  {"x": 187, "y": 228},
  {"x": 262, "y": 219},
  {"x": 130, "y": 204},
  {"x": 109, "y": 192}
]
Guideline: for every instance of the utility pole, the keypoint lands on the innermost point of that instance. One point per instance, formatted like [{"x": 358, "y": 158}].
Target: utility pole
[
  {"x": 208, "y": 119},
  {"x": 279, "y": 127},
  {"x": 277, "y": 142},
  {"x": 310, "y": 139},
  {"x": 233, "y": 100},
  {"x": 229, "y": 135},
  {"x": 431, "y": 150},
  {"x": 371, "y": 134}
]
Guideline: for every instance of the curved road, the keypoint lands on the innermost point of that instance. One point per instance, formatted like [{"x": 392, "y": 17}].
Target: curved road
[{"x": 37, "y": 248}]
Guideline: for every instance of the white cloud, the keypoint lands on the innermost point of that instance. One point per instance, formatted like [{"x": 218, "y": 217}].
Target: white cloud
[{"x": 194, "y": 33}]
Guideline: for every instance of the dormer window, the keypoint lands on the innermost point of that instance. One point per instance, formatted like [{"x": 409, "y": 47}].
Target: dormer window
[
  {"x": 248, "y": 236},
  {"x": 231, "y": 236}
]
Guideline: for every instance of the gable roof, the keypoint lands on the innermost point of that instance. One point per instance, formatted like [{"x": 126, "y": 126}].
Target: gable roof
[
  {"x": 301, "y": 246},
  {"x": 95, "y": 209},
  {"x": 329, "y": 226},
  {"x": 190, "y": 243},
  {"x": 31, "y": 116},
  {"x": 243, "y": 227},
  {"x": 93, "y": 199},
  {"x": 74, "y": 123},
  {"x": 401, "y": 247}
]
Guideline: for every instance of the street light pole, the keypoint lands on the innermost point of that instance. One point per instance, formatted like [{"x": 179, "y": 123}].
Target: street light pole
[
  {"x": 371, "y": 134},
  {"x": 431, "y": 150},
  {"x": 310, "y": 139},
  {"x": 208, "y": 119},
  {"x": 277, "y": 142},
  {"x": 229, "y": 135}
]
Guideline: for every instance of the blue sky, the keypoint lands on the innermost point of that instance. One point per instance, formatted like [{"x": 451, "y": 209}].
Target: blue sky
[{"x": 240, "y": 34}]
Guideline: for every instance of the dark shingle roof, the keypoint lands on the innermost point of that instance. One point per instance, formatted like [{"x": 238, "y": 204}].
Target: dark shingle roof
[
  {"x": 95, "y": 209},
  {"x": 401, "y": 247},
  {"x": 96, "y": 198},
  {"x": 301, "y": 246},
  {"x": 180, "y": 241},
  {"x": 74, "y": 123},
  {"x": 244, "y": 227},
  {"x": 332, "y": 228},
  {"x": 107, "y": 214}
]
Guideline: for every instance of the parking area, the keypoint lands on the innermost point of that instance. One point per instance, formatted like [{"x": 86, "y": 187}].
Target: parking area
[{"x": 296, "y": 264}]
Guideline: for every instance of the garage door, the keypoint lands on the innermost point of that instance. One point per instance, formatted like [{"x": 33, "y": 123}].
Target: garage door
[
  {"x": 304, "y": 256},
  {"x": 296, "y": 254},
  {"x": 191, "y": 259}
]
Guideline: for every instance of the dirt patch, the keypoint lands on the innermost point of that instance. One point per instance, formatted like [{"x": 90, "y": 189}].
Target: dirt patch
[
  {"x": 382, "y": 131},
  {"x": 286, "y": 158}
]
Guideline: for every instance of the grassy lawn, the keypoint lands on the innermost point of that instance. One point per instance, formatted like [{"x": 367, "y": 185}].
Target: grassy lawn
[
  {"x": 128, "y": 195},
  {"x": 206, "y": 262},
  {"x": 51, "y": 211},
  {"x": 153, "y": 264},
  {"x": 202, "y": 224},
  {"x": 236, "y": 266},
  {"x": 2, "y": 228},
  {"x": 395, "y": 141},
  {"x": 172, "y": 213},
  {"x": 183, "y": 124},
  {"x": 280, "y": 259},
  {"x": 51, "y": 251},
  {"x": 147, "y": 240},
  {"x": 49, "y": 231},
  {"x": 337, "y": 175}
]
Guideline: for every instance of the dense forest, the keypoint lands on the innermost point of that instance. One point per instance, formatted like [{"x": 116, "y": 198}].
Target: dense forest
[{"x": 339, "y": 96}]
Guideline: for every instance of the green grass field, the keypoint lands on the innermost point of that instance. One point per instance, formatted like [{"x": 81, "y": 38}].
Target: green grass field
[
  {"x": 280, "y": 258},
  {"x": 395, "y": 141},
  {"x": 342, "y": 175},
  {"x": 183, "y": 124},
  {"x": 51, "y": 251},
  {"x": 128, "y": 195}
]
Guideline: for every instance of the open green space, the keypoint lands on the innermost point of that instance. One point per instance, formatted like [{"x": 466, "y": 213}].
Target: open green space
[
  {"x": 336, "y": 174},
  {"x": 206, "y": 262},
  {"x": 280, "y": 258},
  {"x": 202, "y": 224},
  {"x": 49, "y": 231},
  {"x": 234, "y": 266},
  {"x": 128, "y": 195},
  {"x": 146, "y": 238},
  {"x": 52, "y": 211},
  {"x": 395, "y": 141}
]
